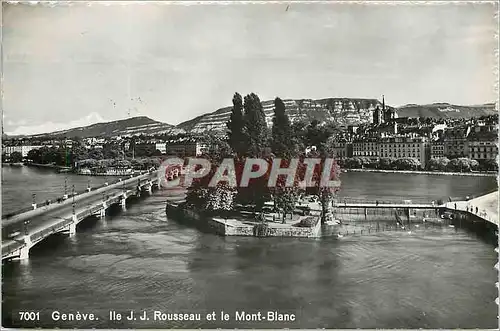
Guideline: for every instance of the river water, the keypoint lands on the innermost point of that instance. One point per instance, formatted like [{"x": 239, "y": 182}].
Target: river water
[{"x": 140, "y": 260}]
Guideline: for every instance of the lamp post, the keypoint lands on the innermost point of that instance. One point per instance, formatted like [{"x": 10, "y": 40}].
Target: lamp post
[
  {"x": 73, "y": 194},
  {"x": 33, "y": 196},
  {"x": 26, "y": 223},
  {"x": 65, "y": 187}
]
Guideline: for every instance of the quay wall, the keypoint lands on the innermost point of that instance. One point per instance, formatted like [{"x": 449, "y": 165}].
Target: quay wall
[
  {"x": 232, "y": 227},
  {"x": 40, "y": 165}
]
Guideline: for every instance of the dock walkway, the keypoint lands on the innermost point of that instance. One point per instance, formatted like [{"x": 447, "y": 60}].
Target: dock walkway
[{"x": 485, "y": 207}]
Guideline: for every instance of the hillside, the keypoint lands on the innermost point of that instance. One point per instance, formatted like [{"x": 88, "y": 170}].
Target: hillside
[
  {"x": 446, "y": 110},
  {"x": 343, "y": 110},
  {"x": 129, "y": 126}
]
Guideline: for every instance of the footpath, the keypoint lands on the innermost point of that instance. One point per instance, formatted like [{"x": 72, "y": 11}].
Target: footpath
[{"x": 485, "y": 206}]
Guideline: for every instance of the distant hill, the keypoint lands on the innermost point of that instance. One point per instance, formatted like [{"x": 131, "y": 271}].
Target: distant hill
[
  {"x": 343, "y": 110},
  {"x": 129, "y": 126},
  {"x": 446, "y": 110}
]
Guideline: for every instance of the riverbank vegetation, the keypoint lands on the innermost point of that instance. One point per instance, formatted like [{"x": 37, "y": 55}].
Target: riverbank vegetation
[
  {"x": 96, "y": 159},
  {"x": 441, "y": 164}
]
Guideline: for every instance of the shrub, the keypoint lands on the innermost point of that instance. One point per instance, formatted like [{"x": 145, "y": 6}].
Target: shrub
[{"x": 308, "y": 222}]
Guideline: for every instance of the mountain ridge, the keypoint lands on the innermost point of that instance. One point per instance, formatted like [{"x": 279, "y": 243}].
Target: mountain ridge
[{"x": 343, "y": 110}]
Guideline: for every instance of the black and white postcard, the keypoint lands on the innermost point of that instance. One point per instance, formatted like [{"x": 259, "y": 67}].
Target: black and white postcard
[{"x": 238, "y": 165}]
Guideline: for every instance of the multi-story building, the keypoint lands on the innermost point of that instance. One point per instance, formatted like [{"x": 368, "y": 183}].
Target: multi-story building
[
  {"x": 437, "y": 148},
  {"x": 184, "y": 147},
  {"x": 455, "y": 141},
  {"x": 406, "y": 147},
  {"x": 482, "y": 143},
  {"x": 23, "y": 149},
  {"x": 162, "y": 147},
  {"x": 342, "y": 148},
  {"x": 90, "y": 143},
  {"x": 365, "y": 147}
]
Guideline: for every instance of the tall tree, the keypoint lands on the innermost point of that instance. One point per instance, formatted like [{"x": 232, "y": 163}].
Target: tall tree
[
  {"x": 282, "y": 143},
  {"x": 255, "y": 126},
  {"x": 236, "y": 126}
]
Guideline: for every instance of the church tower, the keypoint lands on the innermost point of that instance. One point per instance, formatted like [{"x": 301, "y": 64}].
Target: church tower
[
  {"x": 388, "y": 116},
  {"x": 377, "y": 116}
]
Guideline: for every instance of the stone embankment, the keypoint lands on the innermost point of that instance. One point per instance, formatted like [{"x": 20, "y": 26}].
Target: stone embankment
[
  {"x": 51, "y": 166},
  {"x": 234, "y": 227}
]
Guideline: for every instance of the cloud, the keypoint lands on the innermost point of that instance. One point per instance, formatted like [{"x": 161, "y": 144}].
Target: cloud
[{"x": 47, "y": 127}]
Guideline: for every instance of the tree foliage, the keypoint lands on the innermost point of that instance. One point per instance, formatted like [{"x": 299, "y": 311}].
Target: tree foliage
[
  {"x": 16, "y": 157},
  {"x": 282, "y": 142},
  {"x": 438, "y": 164},
  {"x": 237, "y": 138},
  {"x": 255, "y": 126}
]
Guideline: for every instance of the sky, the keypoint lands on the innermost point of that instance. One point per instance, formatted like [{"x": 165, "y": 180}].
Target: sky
[{"x": 79, "y": 64}]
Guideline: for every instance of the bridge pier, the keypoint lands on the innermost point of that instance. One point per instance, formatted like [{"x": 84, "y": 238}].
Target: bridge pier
[
  {"x": 25, "y": 251},
  {"x": 124, "y": 201},
  {"x": 102, "y": 212},
  {"x": 72, "y": 229}
]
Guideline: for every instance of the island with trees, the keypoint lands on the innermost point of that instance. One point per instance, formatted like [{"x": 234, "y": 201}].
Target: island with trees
[{"x": 257, "y": 209}]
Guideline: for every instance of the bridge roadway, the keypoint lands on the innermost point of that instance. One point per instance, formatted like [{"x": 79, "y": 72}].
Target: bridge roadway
[{"x": 59, "y": 217}]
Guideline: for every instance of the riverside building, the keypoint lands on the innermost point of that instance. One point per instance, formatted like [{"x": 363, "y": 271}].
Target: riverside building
[
  {"x": 482, "y": 143},
  {"x": 411, "y": 146}
]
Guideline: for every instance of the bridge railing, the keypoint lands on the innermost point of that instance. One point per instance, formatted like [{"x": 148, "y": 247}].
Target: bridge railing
[
  {"x": 9, "y": 248},
  {"x": 470, "y": 209},
  {"x": 53, "y": 228},
  {"x": 342, "y": 201}
]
